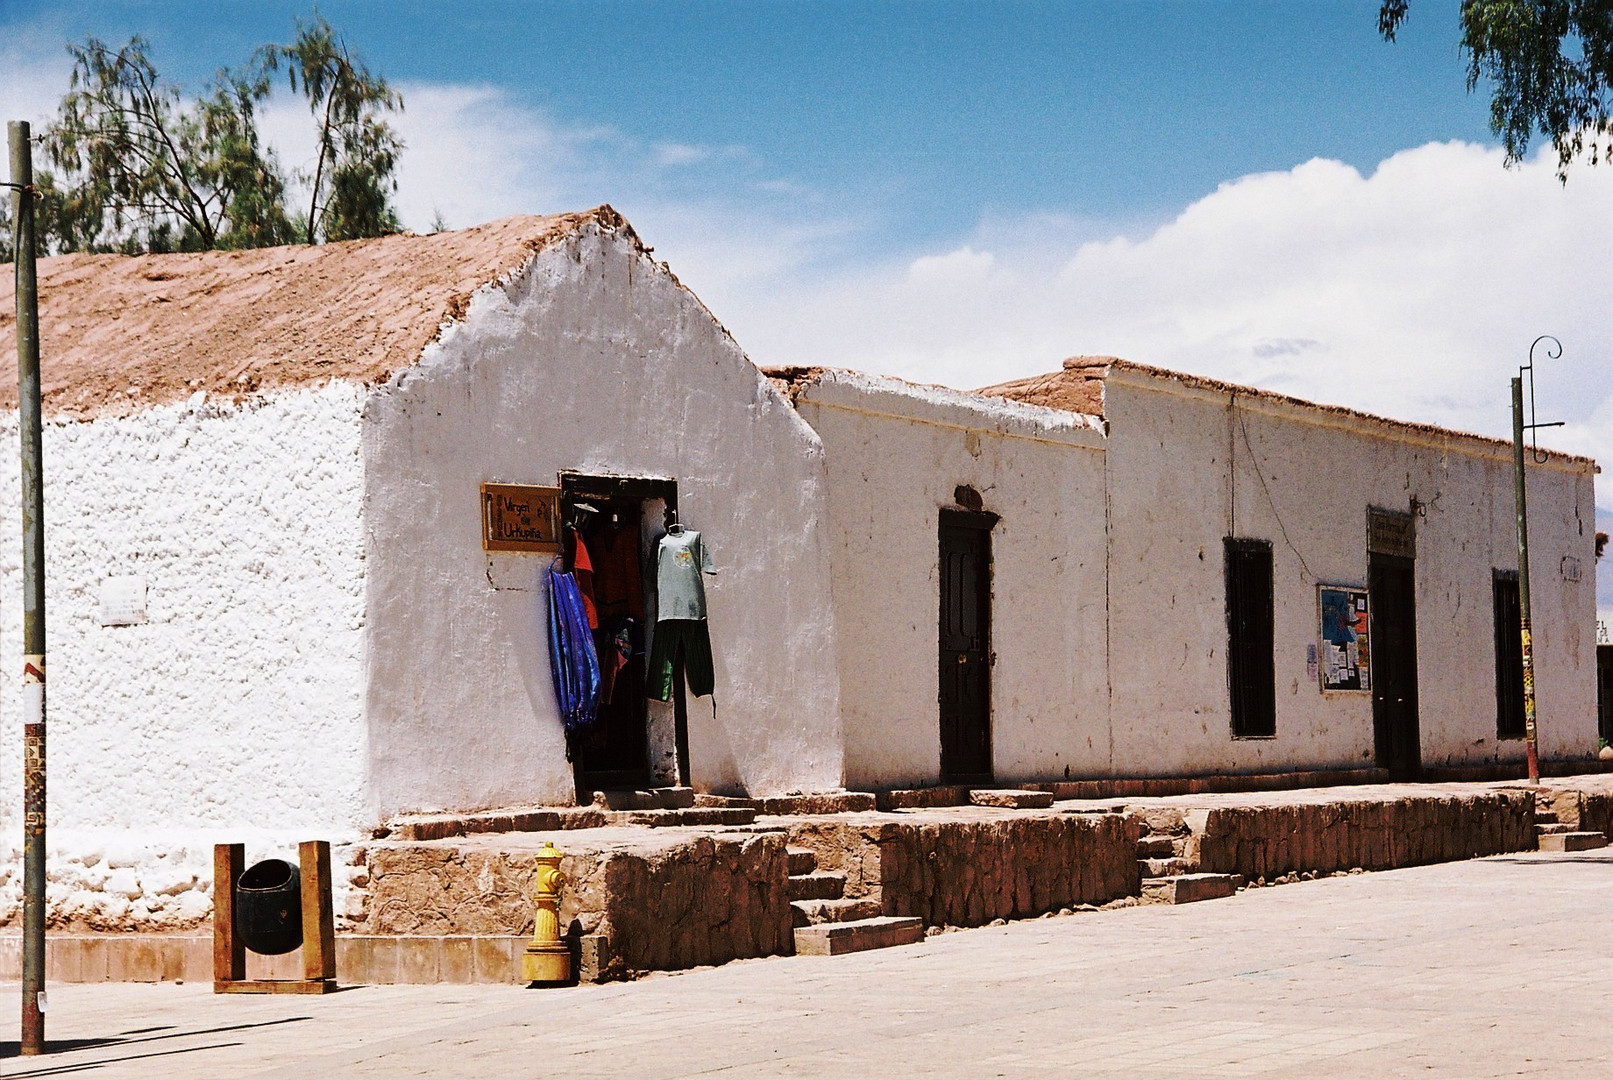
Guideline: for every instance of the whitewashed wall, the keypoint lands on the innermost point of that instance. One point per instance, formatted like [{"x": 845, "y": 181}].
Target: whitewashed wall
[
  {"x": 593, "y": 359},
  {"x": 234, "y": 712},
  {"x": 895, "y": 455},
  {"x": 1187, "y": 469}
]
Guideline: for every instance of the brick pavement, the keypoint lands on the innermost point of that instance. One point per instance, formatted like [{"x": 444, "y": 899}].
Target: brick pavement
[{"x": 1494, "y": 967}]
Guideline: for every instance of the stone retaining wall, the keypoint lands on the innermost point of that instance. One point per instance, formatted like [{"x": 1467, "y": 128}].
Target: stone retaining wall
[
  {"x": 1258, "y": 841},
  {"x": 953, "y": 872},
  {"x": 662, "y": 900},
  {"x": 360, "y": 959}
]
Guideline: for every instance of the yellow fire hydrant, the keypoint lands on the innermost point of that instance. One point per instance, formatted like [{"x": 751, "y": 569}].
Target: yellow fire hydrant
[{"x": 547, "y": 959}]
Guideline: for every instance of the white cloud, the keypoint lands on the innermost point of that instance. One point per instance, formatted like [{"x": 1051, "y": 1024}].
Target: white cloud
[{"x": 1413, "y": 292}]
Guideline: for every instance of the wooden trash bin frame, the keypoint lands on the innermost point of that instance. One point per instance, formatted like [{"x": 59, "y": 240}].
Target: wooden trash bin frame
[{"x": 318, "y": 925}]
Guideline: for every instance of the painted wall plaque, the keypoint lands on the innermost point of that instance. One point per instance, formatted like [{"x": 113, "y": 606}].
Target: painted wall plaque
[{"x": 516, "y": 517}]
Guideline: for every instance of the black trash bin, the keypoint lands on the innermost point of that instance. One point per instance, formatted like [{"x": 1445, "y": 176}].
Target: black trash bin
[{"x": 268, "y": 907}]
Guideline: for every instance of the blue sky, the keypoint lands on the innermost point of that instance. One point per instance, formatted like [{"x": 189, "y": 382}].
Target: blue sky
[
  {"x": 938, "y": 113},
  {"x": 964, "y": 193}
]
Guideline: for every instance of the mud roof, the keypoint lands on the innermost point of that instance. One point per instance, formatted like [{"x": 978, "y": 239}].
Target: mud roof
[
  {"x": 1079, "y": 387},
  {"x": 120, "y": 333}
]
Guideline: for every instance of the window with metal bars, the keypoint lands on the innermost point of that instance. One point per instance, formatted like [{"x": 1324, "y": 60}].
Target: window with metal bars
[
  {"x": 1251, "y": 668},
  {"x": 1508, "y": 655}
]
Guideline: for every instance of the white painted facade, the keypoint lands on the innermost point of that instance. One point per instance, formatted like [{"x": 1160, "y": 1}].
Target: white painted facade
[
  {"x": 595, "y": 360},
  {"x": 1109, "y": 618},
  {"x": 235, "y": 711},
  {"x": 895, "y": 455},
  {"x": 1190, "y": 465}
]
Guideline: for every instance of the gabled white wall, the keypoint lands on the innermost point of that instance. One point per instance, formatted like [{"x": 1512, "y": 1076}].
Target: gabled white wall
[
  {"x": 593, "y": 359},
  {"x": 1187, "y": 469},
  {"x": 234, "y": 713},
  {"x": 895, "y": 455}
]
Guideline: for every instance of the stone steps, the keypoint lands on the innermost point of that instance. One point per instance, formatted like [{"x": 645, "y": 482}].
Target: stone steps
[
  {"x": 827, "y": 802},
  {"x": 1156, "y": 847},
  {"x": 1189, "y": 888},
  {"x": 802, "y": 860},
  {"x": 661, "y": 819},
  {"x": 1544, "y": 830},
  {"x": 670, "y": 798},
  {"x": 818, "y": 885},
  {"x": 1572, "y": 841},
  {"x": 834, "y": 939},
  {"x": 1172, "y": 866},
  {"x": 1011, "y": 799},
  {"x": 817, "y": 912}
]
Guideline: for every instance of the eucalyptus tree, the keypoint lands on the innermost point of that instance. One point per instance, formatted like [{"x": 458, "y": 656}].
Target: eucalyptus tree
[
  {"x": 354, "y": 173},
  {"x": 138, "y": 168},
  {"x": 1550, "y": 65}
]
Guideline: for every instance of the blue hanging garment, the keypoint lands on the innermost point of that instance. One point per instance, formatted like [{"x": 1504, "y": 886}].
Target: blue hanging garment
[{"x": 572, "y": 660}]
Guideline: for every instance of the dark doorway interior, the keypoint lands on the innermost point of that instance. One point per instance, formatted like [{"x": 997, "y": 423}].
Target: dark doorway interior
[
  {"x": 616, "y": 518},
  {"x": 1604, "y": 691},
  {"x": 1391, "y": 586},
  {"x": 965, "y": 636},
  {"x": 1509, "y": 720},
  {"x": 1251, "y": 656}
]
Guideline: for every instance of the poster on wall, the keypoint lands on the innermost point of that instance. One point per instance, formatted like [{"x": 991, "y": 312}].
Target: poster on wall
[{"x": 1346, "y": 661}]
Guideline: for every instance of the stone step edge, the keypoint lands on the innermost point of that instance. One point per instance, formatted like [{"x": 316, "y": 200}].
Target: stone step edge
[
  {"x": 557, "y": 819},
  {"x": 1190, "y": 888},
  {"x": 818, "y": 885},
  {"x": 805, "y": 805},
  {"x": 820, "y": 912},
  {"x": 837, "y": 939},
  {"x": 1572, "y": 841}
]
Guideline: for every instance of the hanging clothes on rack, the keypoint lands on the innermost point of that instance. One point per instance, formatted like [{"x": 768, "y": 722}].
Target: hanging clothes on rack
[
  {"x": 680, "y": 619},
  {"x": 572, "y": 660}
]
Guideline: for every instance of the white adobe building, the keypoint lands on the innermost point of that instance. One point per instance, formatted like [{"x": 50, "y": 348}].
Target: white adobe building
[
  {"x": 1111, "y": 497},
  {"x": 272, "y": 615}
]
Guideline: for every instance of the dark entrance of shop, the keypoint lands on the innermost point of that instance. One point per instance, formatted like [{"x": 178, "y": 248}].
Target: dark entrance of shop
[
  {"x": 619, "y": 520},
  {"x": 965, "y": 635},
  {"x": 1391, "y": 584},
  {"x": 1392, "y": 597},
  {"x": 1604, "y": 692}
]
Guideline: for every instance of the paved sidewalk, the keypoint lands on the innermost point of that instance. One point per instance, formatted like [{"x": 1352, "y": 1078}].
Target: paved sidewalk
[{"x": 1496, "y": 967}]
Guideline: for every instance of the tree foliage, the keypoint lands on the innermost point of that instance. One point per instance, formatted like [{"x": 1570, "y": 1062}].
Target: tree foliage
[
  {"x": 1550, "y": 63},
  {"x": 143, "y": 170},
  {"x": 353, "y": 175},
  {"x": 136, "y": 166}
]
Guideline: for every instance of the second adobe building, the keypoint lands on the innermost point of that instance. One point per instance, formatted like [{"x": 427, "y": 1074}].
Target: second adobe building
[{"x": 281, "y": 597}]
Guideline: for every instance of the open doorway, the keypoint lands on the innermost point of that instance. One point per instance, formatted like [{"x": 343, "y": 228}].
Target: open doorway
[{"x": 634, "y": 742}]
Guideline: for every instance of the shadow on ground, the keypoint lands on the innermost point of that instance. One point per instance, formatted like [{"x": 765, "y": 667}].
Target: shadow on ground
[{"x": 132, "y": 1039}]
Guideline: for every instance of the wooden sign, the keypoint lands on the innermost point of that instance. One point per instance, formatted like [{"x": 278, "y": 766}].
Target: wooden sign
[
  {"x": 1391, "y": 533},
  {"x": 520, "y": 518}
]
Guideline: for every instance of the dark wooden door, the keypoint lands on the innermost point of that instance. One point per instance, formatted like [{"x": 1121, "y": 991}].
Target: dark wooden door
[
  {"x": 965, "y": 677},
  {"x": 1604, "y": 691},
  {"x": 1391, "y": 586}
]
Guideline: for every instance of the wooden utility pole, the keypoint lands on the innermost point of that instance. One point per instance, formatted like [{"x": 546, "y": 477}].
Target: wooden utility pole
[{"x": 33, "y": 596}]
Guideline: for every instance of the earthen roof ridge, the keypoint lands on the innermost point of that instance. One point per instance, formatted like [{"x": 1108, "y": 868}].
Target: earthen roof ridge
[
  {"x": 1081, "y": 379},
  {"x": 122, "y": 333}
]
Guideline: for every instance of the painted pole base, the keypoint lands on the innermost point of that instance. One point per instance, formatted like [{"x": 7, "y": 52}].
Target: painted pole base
[{"x": 546, "y": 963}]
